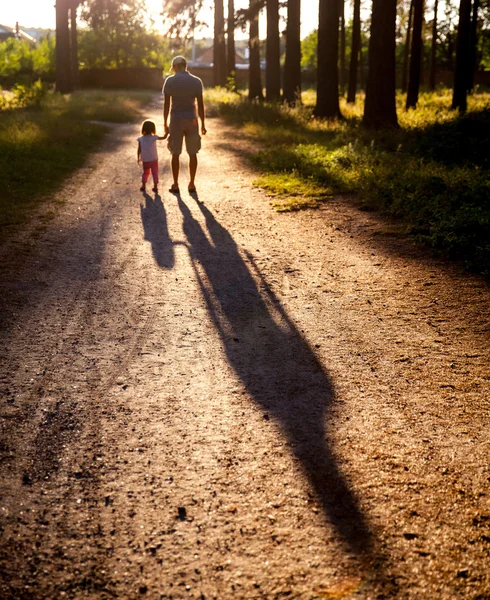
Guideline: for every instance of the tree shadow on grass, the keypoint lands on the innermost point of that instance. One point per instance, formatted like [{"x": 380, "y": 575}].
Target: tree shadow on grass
[
  {"x": 277, "y": 366},
  {"x": 154, "y": 219}
]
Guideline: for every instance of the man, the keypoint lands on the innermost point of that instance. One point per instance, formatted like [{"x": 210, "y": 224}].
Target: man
[{"x": 181, "y": 91}]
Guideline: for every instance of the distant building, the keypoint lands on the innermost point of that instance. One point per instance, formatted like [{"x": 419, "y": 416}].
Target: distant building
[
  {"x": 205, "y": 59},
  {"x": 7, "y": 32}
]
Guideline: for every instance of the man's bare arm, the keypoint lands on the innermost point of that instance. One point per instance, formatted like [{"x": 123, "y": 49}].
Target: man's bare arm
[
  {"x": 200, "y": 112},
  {"x": 166, "y": 112}
]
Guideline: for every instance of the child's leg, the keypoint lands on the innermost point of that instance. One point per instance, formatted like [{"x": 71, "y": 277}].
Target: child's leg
[
  {"x": 146, "y": 173},
  {"x": 154, "y": 172}
]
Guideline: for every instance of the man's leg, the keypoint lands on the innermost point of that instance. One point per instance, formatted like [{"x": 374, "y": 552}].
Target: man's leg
[
  {"x": 192, "y": 170},
  {"x": 175, "y": 169}
]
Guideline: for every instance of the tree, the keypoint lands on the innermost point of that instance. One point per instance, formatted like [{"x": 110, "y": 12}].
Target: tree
[
  {"x": 327, "y": 103},
  {"x": 181, "y": 18},
  {"x": 406, "y": 58},
  {"x": 292, "y": 67},
  {"x": 463, "y": 57},
  {"x": 64, "y": 82},
  {"x": 380, "y": 106},
  {"x": 255, "y": 91},
  {"x": 219, "y": 48},
  {"x": 74, "y": 42},
  {"x": 273, "y": 53},
  {"x": 342, "y": 45},
  {"x": 119, "y": 25},
  {"x": 230, "y": 46},
  {"x": 433, "y": 52},
  {"x": 473, "y": 45},
  {"x": 415, "y": 55},
  {"x": 354, "y": 55}
]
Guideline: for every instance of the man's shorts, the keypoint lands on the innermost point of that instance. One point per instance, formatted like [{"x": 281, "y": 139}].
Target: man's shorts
[{"x": 180, "y": 129}]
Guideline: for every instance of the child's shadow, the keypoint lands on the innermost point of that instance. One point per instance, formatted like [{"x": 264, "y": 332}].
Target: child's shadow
[{"x": 154, "y": 219}]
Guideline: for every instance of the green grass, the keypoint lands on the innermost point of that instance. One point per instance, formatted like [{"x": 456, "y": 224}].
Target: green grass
[
  {"x": 40, "y": 147},
  {"x": 432, "y": 173}
]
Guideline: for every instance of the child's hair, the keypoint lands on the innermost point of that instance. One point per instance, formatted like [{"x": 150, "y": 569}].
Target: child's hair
[{"x": 148, "y": 128}]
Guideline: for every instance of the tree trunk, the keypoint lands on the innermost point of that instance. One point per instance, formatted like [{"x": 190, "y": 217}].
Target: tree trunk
[
  {"x": 255, "y": 91},
  {"x": 74, "y": 44},
  {"x": 473, "y": 45},
  {"x": 362, "y": 83},
  {"x": 292, "y": 67},
  {"x": 230, "y": 47},
  {"x": 219, "y": 50},
  {"x": 342, "y": 46},
  {"x": 433, "y": 66},
  {"x": 63, "y": 66},
  {"x": 462, "y": 57},
  {"x": 327, "y": 101},
  {"x": 415, "y": 55},
  {"x": 380, "y": 106},
  {"x": 354, "y": 55},
  {"x": 273, "y": 53},
  {"x": 406, "y": 57}
]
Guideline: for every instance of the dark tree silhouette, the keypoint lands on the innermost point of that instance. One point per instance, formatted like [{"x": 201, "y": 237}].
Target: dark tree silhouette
[
  {"x": 433, "y": 52},
  {"x": 74, "y": 42},
  {"x": 273, "y": 53},
  {"x": 473, "y": 45},
  {"x": 292, "y": 67},
  {"x": 354, "y": 55},
  {"x": 380, "y": 106},
  {"x": 219, "y": 48},
  {"x": 230, "y": 46},
  {"x": 64, "y": 83},
  {"x": 342, "y": 45},
  {"x": 406, "y": 54},
  {"x": 462, "y": 57},
  {"x": 255, "y": 91},
  {"x": 327, "y": 103},
  {"x": 415, "y": 55}
]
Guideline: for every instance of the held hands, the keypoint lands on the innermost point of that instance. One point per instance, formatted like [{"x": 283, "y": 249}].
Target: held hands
[{"x": 203, "y": 130}]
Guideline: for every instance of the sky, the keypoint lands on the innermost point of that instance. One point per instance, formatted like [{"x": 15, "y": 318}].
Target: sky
[{"x": 41, "y": 13}]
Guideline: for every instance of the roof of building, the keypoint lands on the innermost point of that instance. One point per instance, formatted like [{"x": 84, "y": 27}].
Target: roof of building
[{"x": 8, "y": 32}]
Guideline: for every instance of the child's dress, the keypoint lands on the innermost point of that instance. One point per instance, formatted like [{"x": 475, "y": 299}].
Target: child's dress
[{"x": 149, "y": 157}]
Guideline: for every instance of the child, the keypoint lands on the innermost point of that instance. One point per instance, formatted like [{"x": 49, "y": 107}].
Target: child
[{"x": 147, "y": 153}]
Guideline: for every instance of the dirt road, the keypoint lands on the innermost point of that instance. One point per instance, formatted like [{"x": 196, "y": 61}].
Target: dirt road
[{"x": 203, "y": 398}]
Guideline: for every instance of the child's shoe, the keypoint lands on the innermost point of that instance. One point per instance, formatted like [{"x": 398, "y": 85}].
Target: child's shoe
[
  {"x": 155, "y": 189},
  {"x": 143, "y": 188}
]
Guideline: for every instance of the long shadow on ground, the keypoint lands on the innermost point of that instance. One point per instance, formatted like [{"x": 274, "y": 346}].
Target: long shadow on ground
[
  {"x": 277, "y": 367},
  {"x": 154, "y": 219}
]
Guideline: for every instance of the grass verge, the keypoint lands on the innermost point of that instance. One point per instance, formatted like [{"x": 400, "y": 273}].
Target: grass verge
[
  {"x": 432, "y": 172},
  {"x": 41, "y": 146}
]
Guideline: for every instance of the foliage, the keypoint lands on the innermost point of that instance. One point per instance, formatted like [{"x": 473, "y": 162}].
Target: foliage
[
  {"x": 39, "y": 148},
  {"x": 432, "y": 173},
  {"x": 23, "y": 96},
  {"x": 117, "y": 36},
  {"x": 23, "y": 62},
  {"x": 309, "y": 47},
  {"x": 143, "y": 49},
  {"x": 181, "y": 18}
]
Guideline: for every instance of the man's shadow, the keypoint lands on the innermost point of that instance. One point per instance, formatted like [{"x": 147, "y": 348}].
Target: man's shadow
[
  {"x": 154, "y": 219},
  {"x": 277, "y": 366}
]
